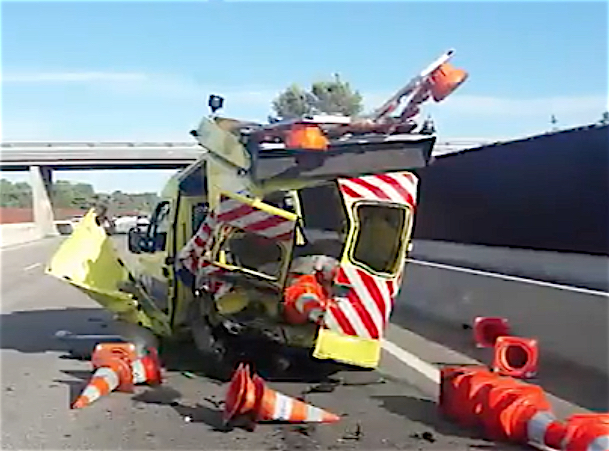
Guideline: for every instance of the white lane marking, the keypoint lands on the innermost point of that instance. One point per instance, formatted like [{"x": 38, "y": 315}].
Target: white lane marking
[
  {"x": 34, "y": 266},
  {"x": 40, "y": 241},
  {"x": 426, "y": 369},
  {"x": 510, "y": 278}
]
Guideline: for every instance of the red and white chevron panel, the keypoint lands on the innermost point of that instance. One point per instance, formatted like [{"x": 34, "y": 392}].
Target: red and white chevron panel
[
  {"x": 364, "y": 311},
  {"x": 251, "y": 219},
  {"x": 191, "y": 254},
  {"x": 398, "y": 187}
]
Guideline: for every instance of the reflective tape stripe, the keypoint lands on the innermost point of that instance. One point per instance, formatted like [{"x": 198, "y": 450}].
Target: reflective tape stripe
[
  {"x": 91, "y": 393},
  {"x": 314, "y": 414},
  {"x": 139, "y": 372},
  {"x": 599, "y": 444},
  {"x": 283, "y": 407},
  {"x": 538, "y": 426},
  {"x": 109, "y": 375}
]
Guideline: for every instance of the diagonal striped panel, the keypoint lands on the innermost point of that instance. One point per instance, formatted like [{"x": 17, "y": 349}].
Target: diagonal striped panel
[
  {"x": 366, "y": 308},
  {"x": 254, "y": 220},
  {"x": 398, "y": 187}
]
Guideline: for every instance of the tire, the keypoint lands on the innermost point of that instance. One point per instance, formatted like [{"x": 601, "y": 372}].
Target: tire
[{"x": 216, "y": 357}]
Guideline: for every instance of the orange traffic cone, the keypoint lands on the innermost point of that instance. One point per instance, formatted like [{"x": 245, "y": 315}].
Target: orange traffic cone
[
  {"x": 516, "y": 357},
  {"x": 251, "y": 398},
  {"x": 455, "y": 383},
  {"x": 444, "y": 80},
  {"x": 274, "y": 406},
  {"x": 503, "y": 394},
  {"x": 487, "y": 329},
  {"x": 587, "y": 432},
  {"x": 113, "y": 371},
  {"x": 304, "y": 300}
]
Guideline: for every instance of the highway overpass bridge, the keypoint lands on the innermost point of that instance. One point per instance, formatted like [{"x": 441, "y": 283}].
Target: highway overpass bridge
[{"x": 42, "y": 158}]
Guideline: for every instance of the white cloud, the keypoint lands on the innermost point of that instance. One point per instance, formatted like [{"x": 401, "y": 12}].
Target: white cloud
[
  {"x": 504, "y": 106},
  {"x": 69, "y": 77}
]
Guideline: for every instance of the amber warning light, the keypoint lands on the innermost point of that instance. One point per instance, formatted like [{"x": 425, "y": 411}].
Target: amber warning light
[{"x": 306, "y": 136}]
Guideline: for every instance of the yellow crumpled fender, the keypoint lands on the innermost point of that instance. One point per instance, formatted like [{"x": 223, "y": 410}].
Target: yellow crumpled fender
[{"x": 88, "y": 261}]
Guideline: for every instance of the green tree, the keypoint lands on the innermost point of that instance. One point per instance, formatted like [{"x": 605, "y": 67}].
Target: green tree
[
  {"x": 293, "y": 102},
  {"x": 331, "y": 97}
]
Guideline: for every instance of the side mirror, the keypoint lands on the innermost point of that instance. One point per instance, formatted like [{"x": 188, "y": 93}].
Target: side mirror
[{"x": 134, "y": 240}]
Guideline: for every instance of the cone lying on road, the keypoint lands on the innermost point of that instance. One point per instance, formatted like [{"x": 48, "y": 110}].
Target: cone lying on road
[
  {"x": 117, "y": 367},
  {"x": 250, "y": 398},
  {"x": 112, "y": 363}
]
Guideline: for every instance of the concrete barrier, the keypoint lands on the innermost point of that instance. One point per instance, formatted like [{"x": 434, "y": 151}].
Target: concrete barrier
[
  {"x": 13, "y": 234},
  {"x": 580, "y": 270},
  {"x": 570, "y": 322}
]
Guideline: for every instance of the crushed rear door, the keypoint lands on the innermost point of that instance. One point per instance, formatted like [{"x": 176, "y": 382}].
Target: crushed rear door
[{"x": 381, "y": 216}]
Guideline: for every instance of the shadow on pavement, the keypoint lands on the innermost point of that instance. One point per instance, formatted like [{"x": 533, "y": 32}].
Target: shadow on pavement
[
  {"x": 33, "y": 331},
  {"x": 166, "y": 396},
  {"x": 584, "y": 387}
]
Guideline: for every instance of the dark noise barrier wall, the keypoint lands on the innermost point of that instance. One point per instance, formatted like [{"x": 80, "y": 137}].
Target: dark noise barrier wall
[{"x": 548, "y": 192}]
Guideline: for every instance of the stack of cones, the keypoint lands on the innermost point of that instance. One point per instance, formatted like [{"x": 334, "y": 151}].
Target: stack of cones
[
  {"x": 117, "y": 367},
  {"x": 248, "y": 398},
  {"x": 503, "y": 407}
]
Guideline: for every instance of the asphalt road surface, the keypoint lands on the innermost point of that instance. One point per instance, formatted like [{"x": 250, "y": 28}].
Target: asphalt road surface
[{"x": 385, "y": 409}]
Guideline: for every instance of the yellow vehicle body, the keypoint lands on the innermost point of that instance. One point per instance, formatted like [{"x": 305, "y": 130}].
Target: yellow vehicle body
[{"x": 152, "y": 295}]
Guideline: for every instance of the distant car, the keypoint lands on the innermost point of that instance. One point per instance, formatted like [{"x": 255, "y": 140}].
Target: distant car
[{"x": 123, "y": 224}]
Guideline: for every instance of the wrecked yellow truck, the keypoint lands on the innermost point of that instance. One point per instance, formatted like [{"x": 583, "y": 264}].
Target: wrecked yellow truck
[{"x": 292, "y": 233}]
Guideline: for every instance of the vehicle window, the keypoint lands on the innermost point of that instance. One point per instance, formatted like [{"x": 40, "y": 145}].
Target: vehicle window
[
  {"x": 159, "y": 226},
  {"x": 254, "y": 252},
  {"x": 325, "y": 221},
  {"x": 199, "y": 213},
  {"x": 280, "y": 199},
  {"x": 378, "y": 244}
]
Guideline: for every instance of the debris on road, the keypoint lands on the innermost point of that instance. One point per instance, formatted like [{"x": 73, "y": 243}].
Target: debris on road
[
  {"x": 427, "y": 436},
  {"x": 355, "y": 435}
]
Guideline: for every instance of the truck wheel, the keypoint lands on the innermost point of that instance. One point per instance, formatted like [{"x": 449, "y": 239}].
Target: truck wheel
[{"x": 215, "y": 355}]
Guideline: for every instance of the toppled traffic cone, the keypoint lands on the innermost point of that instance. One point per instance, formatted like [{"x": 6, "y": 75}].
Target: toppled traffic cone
[
  {"x": 304, "y": 300},
  {"x": 516, "y": 357},
  {"x": 252, "y": 399},
  {"x": 488, "y": 328},
  {"x": 113, "y": 371}
]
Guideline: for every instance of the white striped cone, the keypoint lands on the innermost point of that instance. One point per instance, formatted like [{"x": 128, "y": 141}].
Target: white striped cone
[
  {"x": 104, "y": 381},
  {"x": 544, "y": 429},
  {"x": 275, "y": 406}
]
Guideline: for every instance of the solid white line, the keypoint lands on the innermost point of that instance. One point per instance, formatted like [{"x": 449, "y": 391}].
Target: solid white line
[
  {"x": 34, "y": 266},
  {"x": 426, "y": 369},
  {"x": 510, "y": 278}
]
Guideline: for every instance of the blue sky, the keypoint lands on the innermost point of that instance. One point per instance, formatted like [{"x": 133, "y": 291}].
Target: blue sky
[{"x": 143, "y": 70}]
